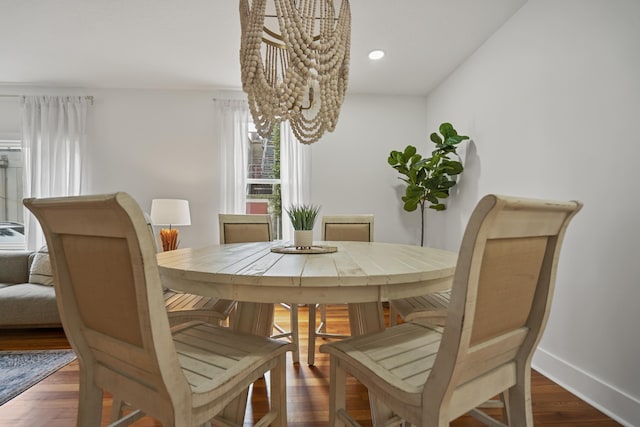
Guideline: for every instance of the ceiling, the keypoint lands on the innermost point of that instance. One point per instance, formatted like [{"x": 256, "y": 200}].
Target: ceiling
[{"x": 194, "y": 44}]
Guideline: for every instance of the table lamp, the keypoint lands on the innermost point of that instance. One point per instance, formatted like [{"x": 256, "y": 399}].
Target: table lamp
[{"x": 171, "y": 212}]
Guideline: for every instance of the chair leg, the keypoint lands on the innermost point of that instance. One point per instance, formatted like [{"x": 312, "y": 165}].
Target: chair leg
[
  {"x": 393, "y": 315},
  {"x": 518, "y": 400},
  {"x": 90, "y": 404},
  {"x": 337, "y": 392},
  {"x": 279, "y": 392},
  {"x": 381, "y": 414},
  {"x": 504, "y": 397},
  {"x": 291, "y": 334},
  {"x": 117, "y": 408},
  {"x": 295, "y": 339},
  {"x": 311, "y": 348},
  {"x": 323, "y": 318}
]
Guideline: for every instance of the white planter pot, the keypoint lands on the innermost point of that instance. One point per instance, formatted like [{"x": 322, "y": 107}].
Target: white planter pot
[{"x": 303, "y": 238}]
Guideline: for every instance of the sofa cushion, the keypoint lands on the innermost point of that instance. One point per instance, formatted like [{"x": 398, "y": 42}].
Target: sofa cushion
[
  {"x": 14, "y": 267},
  {"x": 28, "y": 305},
  {"x": 40, "y": 272}
]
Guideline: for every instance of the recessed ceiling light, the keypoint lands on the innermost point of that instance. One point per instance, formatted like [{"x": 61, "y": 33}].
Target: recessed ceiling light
[{"x": 376, "y": 54}]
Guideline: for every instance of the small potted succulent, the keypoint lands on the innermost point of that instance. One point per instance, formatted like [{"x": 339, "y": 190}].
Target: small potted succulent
[{"x": 303, "y": 217}]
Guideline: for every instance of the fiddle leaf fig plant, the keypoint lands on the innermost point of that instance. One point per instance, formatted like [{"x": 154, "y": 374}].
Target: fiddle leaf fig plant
[{"x": 429, "y": 179}]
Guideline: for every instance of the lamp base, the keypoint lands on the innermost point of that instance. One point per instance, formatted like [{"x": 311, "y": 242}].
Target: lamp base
[{"x": 169, "y": 239}]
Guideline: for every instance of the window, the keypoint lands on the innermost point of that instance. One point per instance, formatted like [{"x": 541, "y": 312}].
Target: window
[
  {"x": 263, "y": 177},
  {"x": 11, "y": 191}
]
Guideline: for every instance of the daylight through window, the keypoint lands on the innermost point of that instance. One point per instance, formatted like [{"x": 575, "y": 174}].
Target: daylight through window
[
  {"x": 11, "y": 212},
  {"x": 263, "y": 177}
]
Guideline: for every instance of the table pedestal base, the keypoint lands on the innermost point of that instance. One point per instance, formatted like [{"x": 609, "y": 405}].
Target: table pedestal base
[
  {"x": 257, "y": 319},
  {"x": 365, "y": 318}
]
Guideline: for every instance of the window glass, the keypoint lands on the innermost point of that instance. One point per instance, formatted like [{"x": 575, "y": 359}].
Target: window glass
[
  {"x": 11, "y": 211},
  {"x": 263, "y": 177}
]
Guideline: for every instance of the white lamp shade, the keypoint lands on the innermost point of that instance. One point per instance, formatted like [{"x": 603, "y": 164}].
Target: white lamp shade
[{"x": 170, "y": 212}]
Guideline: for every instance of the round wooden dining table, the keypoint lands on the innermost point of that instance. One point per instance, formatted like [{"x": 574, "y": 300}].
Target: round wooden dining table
[
  {"x": 361, "y": 274},
  {"x": 258, "y": 275}
]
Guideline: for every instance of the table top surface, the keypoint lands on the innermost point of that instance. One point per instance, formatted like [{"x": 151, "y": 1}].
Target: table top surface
[{"x": 356, "y": 272}]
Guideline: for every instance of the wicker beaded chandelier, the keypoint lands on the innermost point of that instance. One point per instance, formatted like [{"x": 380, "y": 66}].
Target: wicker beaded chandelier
[{"x": 294, "y": 58}]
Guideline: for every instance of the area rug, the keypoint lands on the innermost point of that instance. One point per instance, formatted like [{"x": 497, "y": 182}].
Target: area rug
[{"x": 20, "y": 370}]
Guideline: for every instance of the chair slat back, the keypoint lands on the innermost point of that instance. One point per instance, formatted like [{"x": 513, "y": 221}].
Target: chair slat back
[
  {"x": 107, "y": 284},
  {"x": 239, "y": 228},
  {"x": 503, "y": 285},
  {"x": 347, "y": 228}
]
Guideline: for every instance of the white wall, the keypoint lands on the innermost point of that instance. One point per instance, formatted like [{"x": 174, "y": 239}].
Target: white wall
[
  {"x": 350, "y": 173},
  {"x": 9, "y": 117},
  {"x": 157, "y": 144},
  {"x": 552, "y": 103},
  {"x": 151, "y": 144},
  {"x": 163, "y": 144}
]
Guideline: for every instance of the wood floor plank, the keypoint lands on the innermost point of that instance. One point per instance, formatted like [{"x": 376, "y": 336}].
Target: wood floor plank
[{"x": 53, "y": 401}]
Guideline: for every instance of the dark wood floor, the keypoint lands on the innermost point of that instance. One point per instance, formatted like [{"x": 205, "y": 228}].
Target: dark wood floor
[{"x": 53, "y": 401}]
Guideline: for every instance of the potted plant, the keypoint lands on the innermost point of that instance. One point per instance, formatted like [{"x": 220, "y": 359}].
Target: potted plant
[
  {"x": 429, "y": 179},
  {"x": 303, "y": 217}
]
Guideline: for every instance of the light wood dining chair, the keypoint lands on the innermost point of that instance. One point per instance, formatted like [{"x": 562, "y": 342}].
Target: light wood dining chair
[
  {"x": 345, "y": 228},
  {"x": 241, "y": 228},
  {"x": 246, "y": 228},
  {"x": 110, "y": 300},
  {"x": 432, "y": 307},
  {"x": 183, "y": 307},
  {"x": 501, "y": 296}
]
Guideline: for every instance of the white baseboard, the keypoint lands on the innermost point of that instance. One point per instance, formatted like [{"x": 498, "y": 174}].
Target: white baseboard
[{"x": 616, "y": 404}]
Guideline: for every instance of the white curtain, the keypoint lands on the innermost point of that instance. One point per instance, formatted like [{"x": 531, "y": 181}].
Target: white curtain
[
  {"x": 233, "y": 117},
  {"x": 295, "y": 175},
  {"x": 53, "y": 141}
]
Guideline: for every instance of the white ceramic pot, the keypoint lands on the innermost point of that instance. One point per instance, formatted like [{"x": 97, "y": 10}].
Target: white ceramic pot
[{"x": 303, "y": 238}]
